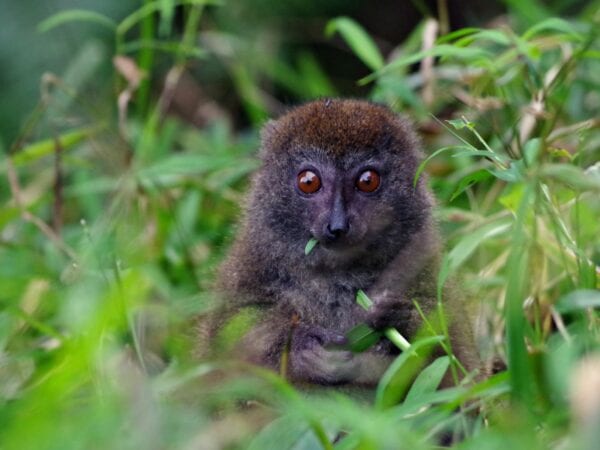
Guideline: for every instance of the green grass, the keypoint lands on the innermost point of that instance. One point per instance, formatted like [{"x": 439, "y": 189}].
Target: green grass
[{"x": 112, "y": 223}]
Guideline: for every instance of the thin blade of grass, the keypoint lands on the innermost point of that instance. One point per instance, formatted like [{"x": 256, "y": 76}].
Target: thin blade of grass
[
  {"x": 76, "y": 15},
  {"x": 396, "y": 379},
  {"x": 520, "y": 370},
  {"x": 358, "y": 39}
]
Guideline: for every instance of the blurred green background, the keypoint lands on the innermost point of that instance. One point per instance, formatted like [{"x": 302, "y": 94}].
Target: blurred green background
[
  {"x": 128, "y": 131},
  {"x": 292, "y": 32}
]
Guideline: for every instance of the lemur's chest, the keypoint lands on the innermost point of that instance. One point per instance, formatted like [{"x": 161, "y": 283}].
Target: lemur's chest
[{"x": 330, "y": 301}]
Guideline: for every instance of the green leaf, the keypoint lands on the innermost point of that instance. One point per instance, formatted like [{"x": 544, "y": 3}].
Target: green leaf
[
  {"x": 459, "y": 124},
  {"x": 571, "y": 176},
  {"x": 151, "y": 8},
  {"x": 513, "y": 174},
  {"x": 485, "y": 153},
  {"x": 358, "y": 40},
  {"x": 531, "y": 11},
  {"x": 418, "y": 404},
  {"x": 167, "y": 12},
  {"x": 76, "y": 15},
  {"x": 521, "y": 370},
  {"x": 429, "y": 379},
  {"x": 236, "y": 327},
  {"x": 286, "y": 433},
  {"x": 531, "y": 151},
  {"x": 465, "y": 248},
  {"x": 433, "y": 155},
  {"x": 174, "y": 47},
  {"x": 552, "y": 24},
  {"x": 578, "y": 300},
  {"x": 457, "y": 34},
  {"x": 363, "y": 300},
  {"x": 591, "y": 54},
  {"x": 45, "y": 147},
  {"x": 310, "y": 245},
  {"x": 469, "y": 180},
  {"x": 495, "y": 36},
  {"x": 475, "y": 56},
  {"x": 396, "y": 379},
  {"x": 512, "y": 199},
  {"x": 185, "y": 164},
  {"x": 361, "y": 337},
  {"x": 315, "y": 80},
  {"x": 494, "y": 386},
  {"x": 469, "y": 243},
  {"x": 560, "y": 153}
]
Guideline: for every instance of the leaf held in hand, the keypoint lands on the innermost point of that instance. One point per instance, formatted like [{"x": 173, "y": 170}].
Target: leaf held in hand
[{"x": 361, "y": 337}]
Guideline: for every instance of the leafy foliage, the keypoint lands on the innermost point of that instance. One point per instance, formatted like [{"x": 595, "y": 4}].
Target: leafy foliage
[{"x": 112, "y": 222}]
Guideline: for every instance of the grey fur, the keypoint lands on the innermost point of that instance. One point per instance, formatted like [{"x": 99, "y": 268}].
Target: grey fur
[{"x": 307, "y": 302}]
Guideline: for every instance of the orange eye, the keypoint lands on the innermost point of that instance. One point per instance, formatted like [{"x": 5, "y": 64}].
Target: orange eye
[
  {"x": 368, "y": 181},
  {"x": 308, "y": 182}
]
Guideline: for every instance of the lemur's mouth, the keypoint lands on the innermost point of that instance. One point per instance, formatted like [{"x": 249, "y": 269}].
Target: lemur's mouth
[{"x": 342, "y": 245}]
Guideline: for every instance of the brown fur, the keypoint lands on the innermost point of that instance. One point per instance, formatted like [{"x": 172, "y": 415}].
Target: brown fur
[
  {"x": 307, "y": 303},
  {"x": 336, "y": 126}
]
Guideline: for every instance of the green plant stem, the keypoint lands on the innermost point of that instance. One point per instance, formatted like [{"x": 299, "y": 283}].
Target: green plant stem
[
  {"x": 443, "y": 16},
  {"x": 189, "y": 32},
  {"x": 397, "y": 339},
  {"x": 145, "y": 61}
]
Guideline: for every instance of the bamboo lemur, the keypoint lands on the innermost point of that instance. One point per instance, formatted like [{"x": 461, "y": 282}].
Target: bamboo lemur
[{"x": 341, "y": 172}]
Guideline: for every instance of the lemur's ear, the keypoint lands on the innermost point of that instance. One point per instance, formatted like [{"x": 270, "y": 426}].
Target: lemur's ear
[{"x": 266, "y": 136}]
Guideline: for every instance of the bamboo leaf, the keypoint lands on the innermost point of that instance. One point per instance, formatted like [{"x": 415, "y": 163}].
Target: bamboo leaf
[
  {"x": 286, "y": 433},
  {"x": 76, "y": 15},
  {"x": 471, "y": 55},
  {"x": 521, "y": 372},
  {"x": 429, "y": 379},
  {"x": 362, "y": 337},
  {"x": 578, "y": 300},
  {"x": 457, "y": 34},
  {"x": 358, "y": 39},
  {"x": 153, "y": 7},
  {"x": 433, "y": 155},
  {"x": 396, "y": 379},
  {"x": 495, "y": 36},
  {"x": 465, "y": 248},
  {"x": 571, "y": 176},
  {"x": 310, "y": 245},
  {"x": 468, "y": 181},
  {"x": 552, "y": 24},
  {"x": 45, "y": 147},
  {"x": 363, "y": 299},
  {"x": 512, "y": 174}
]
